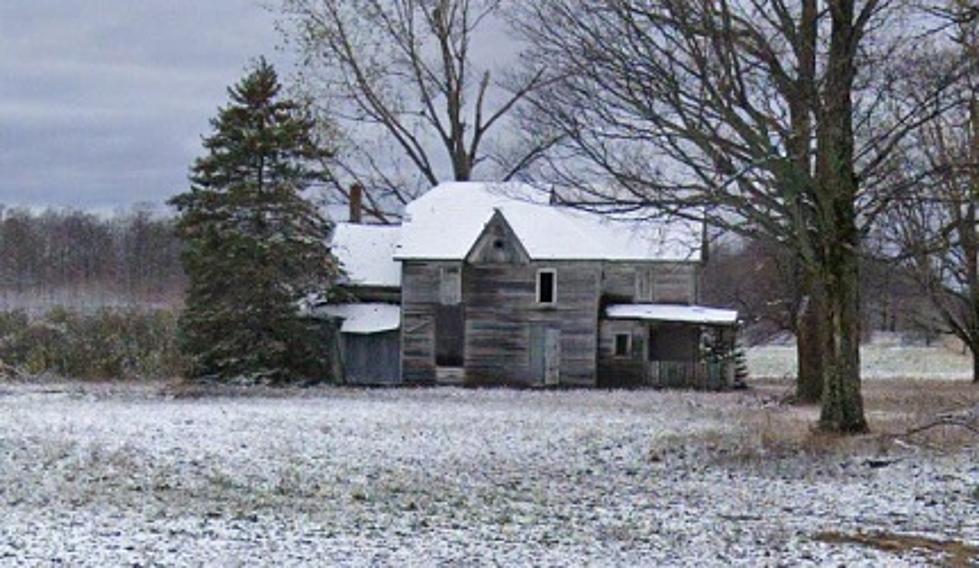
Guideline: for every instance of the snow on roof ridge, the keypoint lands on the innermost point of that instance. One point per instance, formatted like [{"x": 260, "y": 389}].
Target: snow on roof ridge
[{"x": 445, "y": 222}]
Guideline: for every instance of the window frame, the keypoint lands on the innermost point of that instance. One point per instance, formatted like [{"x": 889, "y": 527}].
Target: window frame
[
  {"x": 628, "y": 345},
  {"x": 538, "y": 288},
  {"x": 450, "y": 285},
  {"x": 644, "y": 285}
]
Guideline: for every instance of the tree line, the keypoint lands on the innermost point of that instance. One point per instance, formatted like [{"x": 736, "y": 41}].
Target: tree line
[{"x": 67, "y": 256}]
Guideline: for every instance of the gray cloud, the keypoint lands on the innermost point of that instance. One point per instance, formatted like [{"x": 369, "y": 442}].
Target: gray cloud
[{"x": 103, "y": 102}]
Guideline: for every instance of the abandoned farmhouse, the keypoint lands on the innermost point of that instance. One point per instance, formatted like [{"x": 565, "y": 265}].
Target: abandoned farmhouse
[{"x": 493, "y": 284}]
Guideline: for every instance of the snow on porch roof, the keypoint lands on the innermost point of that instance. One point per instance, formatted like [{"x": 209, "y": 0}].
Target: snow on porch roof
[
  {"x": 673, "y": 313},
  {"x": 444, "y": 223},
  {"x": 362, "y": 319}
]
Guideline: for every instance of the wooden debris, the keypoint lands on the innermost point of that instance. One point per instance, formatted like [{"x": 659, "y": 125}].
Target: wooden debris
[{"x": 953, "y": 552}]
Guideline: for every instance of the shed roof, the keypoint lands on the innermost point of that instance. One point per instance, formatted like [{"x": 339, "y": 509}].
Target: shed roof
[
  {"x": 366, "y": 253},
  {"x": 444, "y": 224},
  {"x": 365, "y": 318},
  {"x": 673, "y": 313}
]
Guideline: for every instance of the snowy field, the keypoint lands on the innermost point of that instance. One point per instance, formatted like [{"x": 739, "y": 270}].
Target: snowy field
[
  {"x": 127, "y": 475},
  {"x": 878, "y": 361}
]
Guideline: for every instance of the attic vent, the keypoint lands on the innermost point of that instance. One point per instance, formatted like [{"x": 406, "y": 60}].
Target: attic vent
[{"x": 498, "y": 244}]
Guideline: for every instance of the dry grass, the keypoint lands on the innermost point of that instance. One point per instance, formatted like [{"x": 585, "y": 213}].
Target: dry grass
[{"x": 893, "y": 408}]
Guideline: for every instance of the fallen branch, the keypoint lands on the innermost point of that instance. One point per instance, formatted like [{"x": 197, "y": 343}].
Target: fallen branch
[{"x": 970, "y": 424}]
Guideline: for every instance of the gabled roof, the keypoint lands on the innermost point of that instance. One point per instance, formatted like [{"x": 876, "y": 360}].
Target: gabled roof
[
  {"x": 366, "y": 253},
  {"x": 445, "y": 223},
  {"x": 672, "y": 313}
]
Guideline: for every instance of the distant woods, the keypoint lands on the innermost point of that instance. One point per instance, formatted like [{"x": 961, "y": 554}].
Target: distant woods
[{"x": 67, "y": 257}]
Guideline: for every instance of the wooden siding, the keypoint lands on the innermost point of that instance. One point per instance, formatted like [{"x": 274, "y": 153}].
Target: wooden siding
[
  {"x": 660, "y": 282},
  {"x": 502, "y": 315},
  {"x": 372, "y": 359},
  {"x": 502, "y": 310},
  {"x": 629, "y": 371},
  {"x": 363, "y": 294},
  {"x": 421, "y": 286},
  {"x": 498, "y": 244}
]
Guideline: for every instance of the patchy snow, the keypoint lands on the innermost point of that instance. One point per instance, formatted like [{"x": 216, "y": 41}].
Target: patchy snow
[
  {"x": 364, "y": 318},
  {"x": 446, "y": 222},
  {"x": 877, "y": 361},
  {"x": 366, "y": 253},
  {"x": 673, "y": 313},
  {"x": 442, "y": 476}
]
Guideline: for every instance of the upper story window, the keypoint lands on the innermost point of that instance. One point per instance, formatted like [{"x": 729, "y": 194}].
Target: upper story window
[
  {"x": 644, "y": 285},
  {"x": 450, "y": 286},
  {"x": 547, "y": 287}
]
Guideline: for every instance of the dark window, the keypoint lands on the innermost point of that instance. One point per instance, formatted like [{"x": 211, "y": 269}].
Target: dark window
[
  {"x": 546, "y": 287},
  {"x": 623, "y": 344}
]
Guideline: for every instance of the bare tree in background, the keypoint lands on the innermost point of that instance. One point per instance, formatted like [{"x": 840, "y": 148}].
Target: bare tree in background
[
  {"x": 935, "y": 228},
  {"x": 778, "y": 122},
  {"x": 761, "y": 280},
  {"x": 403, "y": 72}
]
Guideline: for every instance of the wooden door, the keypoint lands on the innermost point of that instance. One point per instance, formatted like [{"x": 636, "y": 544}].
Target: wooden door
[
  {"x": 545, "y": 355},
  {"x": 450, "y": 336}
]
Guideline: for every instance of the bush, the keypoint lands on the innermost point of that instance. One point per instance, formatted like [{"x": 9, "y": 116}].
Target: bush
[{"x": 105, "y": 344}]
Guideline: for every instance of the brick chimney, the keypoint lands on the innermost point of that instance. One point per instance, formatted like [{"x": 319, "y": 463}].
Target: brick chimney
[{"x": 356, "y": 203}]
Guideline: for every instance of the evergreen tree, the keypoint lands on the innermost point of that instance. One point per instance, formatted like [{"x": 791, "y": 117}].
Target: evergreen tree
[{"x": 255, "y": 246}]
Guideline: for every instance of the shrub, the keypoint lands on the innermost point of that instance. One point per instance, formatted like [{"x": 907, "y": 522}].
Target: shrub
[{"x": 105, "y": 344}]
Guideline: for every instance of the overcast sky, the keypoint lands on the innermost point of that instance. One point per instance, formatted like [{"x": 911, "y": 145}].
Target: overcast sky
[{"x": 103, "y": 102}]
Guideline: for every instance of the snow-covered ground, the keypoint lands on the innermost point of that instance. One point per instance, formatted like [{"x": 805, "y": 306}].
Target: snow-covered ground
[
  {"x": 124, "y": 475},
  {"x": 878, "y": 361}
]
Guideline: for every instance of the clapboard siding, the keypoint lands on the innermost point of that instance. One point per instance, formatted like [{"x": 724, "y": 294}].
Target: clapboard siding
[
  {"x": 420, "y": 283},
  {"x": 627, "y": 371},
  {"x": 372, "y": 359},
  {"x": 499, "y": 298},
  {"x": 668, "y": 282},
  {"x": 502, "y": 309}
]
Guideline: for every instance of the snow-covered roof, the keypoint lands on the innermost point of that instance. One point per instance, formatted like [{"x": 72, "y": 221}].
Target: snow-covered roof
[
  {"x": 364, "y": 318},
  {"x": 673, "y": 313},
  {"x": 446, "y": 222},
  {"x": 366, "y": 253}
]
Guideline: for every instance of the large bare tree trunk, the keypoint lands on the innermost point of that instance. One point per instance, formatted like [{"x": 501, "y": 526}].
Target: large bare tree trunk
[
  {"x": 811, "y": 328},
  {"x": 842, "y": 408},
  {"x": 811, "y": 342},
  {"x": 975, "y": 363}
]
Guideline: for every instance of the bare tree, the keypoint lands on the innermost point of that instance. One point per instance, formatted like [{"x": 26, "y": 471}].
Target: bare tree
[
  {"x": 778, "y": 123},
  {"x": 935, "y": 228},
  {"x": 761, "y": 280},
  {"x": 399, "y": 76}
]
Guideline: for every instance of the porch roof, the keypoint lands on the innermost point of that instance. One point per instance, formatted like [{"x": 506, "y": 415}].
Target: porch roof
[
  {"x": 363, "y": 319},
  {"x": 673, "y": 313}
]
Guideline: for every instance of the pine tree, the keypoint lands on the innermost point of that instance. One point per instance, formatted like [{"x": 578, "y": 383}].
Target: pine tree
[{"x": 255, "y": 247}]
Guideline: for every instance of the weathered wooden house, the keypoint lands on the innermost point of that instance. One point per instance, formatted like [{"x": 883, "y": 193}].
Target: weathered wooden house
[{"x": 498, "y": 286}]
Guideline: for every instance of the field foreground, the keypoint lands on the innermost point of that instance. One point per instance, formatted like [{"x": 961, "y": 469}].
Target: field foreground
[{"x": 101, "y": 475}]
